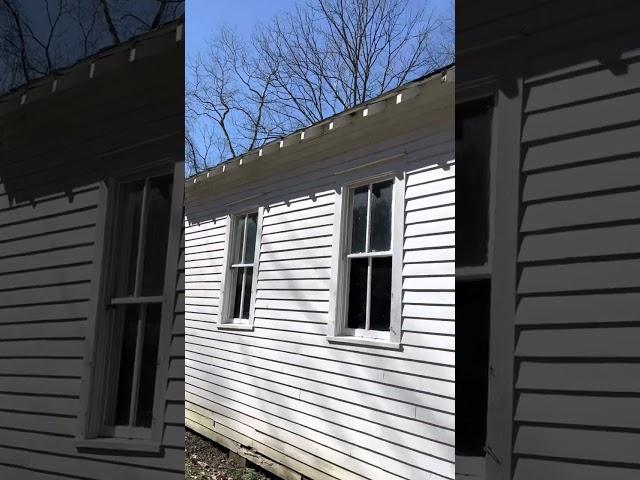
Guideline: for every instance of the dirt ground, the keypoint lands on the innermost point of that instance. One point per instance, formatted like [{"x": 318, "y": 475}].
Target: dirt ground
[{"x": 205, "y": 461}]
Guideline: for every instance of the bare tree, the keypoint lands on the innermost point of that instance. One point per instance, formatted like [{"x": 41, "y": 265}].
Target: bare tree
[
  {"x": 43, "y": 61},
  {"x": 14, "y": 44},
  {"x": 321, "y": 57},
  {"x": 342, "y": 52},
  {"x": 87, "y": 18},
  {"x": 232, "y": 90},
  {"x": 200, "y": 141}
]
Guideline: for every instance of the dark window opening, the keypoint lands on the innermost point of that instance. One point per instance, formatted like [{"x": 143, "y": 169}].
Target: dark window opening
[
  {"x": 472, "y": 367},
  {"x": 473, "y": 150},
  {"x": 358, "y": 293}
]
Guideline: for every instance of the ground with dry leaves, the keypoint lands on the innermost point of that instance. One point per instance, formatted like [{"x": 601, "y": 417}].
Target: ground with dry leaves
[{"x": 204, "y": 461}]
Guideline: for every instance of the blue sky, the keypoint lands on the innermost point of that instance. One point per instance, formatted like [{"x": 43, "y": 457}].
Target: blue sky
[{"x": 204, "y": 17}]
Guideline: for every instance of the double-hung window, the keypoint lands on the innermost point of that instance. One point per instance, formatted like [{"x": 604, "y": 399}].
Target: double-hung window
[
  {"x": 366, "y": 287},
  {"x": 130, "y": 314},
  {"x": 242, "y": 257},
  {"x": 475, "y": 194},
  {"x": 369, "y": 259}
]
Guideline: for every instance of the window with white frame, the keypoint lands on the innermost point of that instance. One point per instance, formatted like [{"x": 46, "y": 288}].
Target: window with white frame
[
  {"x": 241, "y": 272},
  {"x": 366, "y": 287},
  {"x": 129, "y": 327}
]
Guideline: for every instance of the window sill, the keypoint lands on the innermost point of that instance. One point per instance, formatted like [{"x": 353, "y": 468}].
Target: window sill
[
  {"x": 365, "y": 342},
  {"x": 235, "y": 326},
  {"x": 118, "y": 444}
]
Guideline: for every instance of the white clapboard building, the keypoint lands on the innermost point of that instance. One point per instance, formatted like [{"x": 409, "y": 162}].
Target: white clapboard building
[{"x": 320, "y": 294}]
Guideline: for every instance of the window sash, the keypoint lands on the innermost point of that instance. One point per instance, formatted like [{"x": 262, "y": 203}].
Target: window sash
[
  {"x": 240, "y": 270},
  {"x": 387, "y": 253},
  {"x": 114, "y": 362},
  {"x": 238, "y": 251},
  {"x": 135, "y": 300},
  {"x": 142, "y": 230},
  {"x": 351, "y": 191},
  {"x": 366, "y": 332}
]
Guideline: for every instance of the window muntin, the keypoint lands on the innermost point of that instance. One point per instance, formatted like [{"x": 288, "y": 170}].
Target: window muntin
[
  {"x": 243, "y": 265},
  {"x": 369, "y": 260},
  {"x": 134, "y": 304}
]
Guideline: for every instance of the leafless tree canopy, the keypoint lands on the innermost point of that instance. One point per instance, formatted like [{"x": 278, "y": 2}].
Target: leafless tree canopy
[
  {"x": 236, "y": 94},
  {"x": 322, "y": 57},
  {"x": 38, "y": 37}
]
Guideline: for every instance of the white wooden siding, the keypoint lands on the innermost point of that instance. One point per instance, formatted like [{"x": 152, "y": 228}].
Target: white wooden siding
[
  {"x": 576, "y": 324},
  {"x": 328, "y": 411}
]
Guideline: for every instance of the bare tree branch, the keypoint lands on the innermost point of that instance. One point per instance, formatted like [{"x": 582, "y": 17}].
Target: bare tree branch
[
  {"x": 22, "y": 45},
  {"x": 115, "y": 38},
  {"x": 161, "y": 8}
]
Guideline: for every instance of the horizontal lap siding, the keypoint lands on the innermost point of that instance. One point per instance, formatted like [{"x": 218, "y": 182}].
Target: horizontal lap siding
[
  {"x": 577, "y": 320},
  {"x": 328, "y": 412},
  {"x": 45, "y": 283},
  {"x": 48, "y": 212}
]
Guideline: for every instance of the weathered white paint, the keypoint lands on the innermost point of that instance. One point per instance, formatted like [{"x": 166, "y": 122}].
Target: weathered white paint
[{"x": 322, "y": 409}]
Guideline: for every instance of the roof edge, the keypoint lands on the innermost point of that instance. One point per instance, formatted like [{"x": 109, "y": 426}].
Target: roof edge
[{"x": 446, "y": 75}]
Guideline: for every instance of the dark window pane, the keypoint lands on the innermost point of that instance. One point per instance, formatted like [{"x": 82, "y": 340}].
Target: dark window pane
[
  {"x": 238, "y": 240},
  {"x": 127, "y": 227},
  {"x": 472, "y": 368},
  {"x": 356, "y": 316},
  {"x": 148, "y": 365},
  {"x": 359, "y": 220},
  {"x": 381, "y": 196},
  {"x": 238, "y": 292},
  {"x": 157, "y": 234},
  {"x": 473, "y": 146},
  {"x": 250, "y": 251},
  {"x": 247, "y": 292},
  {"x": 380, "y": 312},
  {"x": 129, "y": 316}
]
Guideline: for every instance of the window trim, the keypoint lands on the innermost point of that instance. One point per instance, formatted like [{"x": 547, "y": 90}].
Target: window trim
[
  {"x": 506, "y": 89},
  {"x": 92, "y": 433},
  {"x": 337, "y": 331},
  {"x": 225, "y": 320}
]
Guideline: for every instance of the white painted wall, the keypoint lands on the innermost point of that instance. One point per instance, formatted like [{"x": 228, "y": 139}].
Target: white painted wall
[{"x": 330, "y": 411}]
